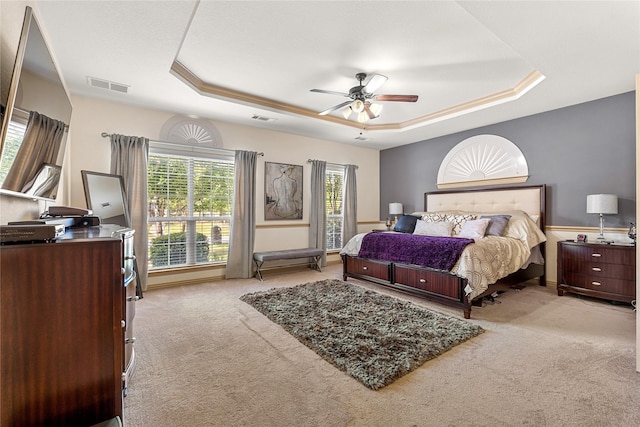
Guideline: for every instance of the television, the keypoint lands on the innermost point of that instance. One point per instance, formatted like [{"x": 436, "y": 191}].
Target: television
[{"x": 35, "y": 86}]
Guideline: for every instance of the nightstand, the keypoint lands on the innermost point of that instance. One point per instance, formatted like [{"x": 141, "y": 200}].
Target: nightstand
[{"x": 597, "y": 270}]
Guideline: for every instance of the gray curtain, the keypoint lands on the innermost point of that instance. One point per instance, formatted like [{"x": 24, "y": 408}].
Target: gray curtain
[
  {"x": 317, "y": 208},
  {"x": 243, "y": 218},
  {"x": 129, "y": 156},
  {"x": 41, "y": 144},
  {"x": 349, "y": 204}
]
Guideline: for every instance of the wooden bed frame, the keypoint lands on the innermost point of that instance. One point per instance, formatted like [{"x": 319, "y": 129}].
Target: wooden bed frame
[{"x": 442, "y": 286}]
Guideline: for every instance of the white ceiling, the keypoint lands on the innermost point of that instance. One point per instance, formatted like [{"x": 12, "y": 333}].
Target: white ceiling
[{"x": 263, "y": 57}]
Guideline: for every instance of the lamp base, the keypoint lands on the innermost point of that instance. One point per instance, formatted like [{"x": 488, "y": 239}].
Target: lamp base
[
  {"x": 604, "y": 241},
  {"x": 601, "y": 238}
]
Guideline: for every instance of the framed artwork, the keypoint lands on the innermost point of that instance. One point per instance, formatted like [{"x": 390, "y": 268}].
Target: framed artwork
[{"x": 283, "y": 191}]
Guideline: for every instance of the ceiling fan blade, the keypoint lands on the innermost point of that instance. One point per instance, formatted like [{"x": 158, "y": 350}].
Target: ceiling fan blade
[
  {"x": 330, "y": 92},
  {"x": 334, "y": 108},
  {"x": 397, "y": 98},
  {"x": 374, "y": 83}
]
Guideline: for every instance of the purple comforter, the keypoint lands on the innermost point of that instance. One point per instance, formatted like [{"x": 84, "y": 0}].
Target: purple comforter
[{"x": 427, "y": 251}]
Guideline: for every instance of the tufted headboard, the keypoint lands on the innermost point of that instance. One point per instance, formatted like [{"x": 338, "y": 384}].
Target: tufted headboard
[{"x": 530, "y": 198}]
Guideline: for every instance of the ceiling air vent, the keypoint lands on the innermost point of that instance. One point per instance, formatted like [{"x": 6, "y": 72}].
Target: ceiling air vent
[
  {"x": 105, "y": 84},
  {"x": 263, "y": 118}
]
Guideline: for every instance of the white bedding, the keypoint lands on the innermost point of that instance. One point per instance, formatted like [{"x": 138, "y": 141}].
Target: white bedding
[{"x": 491, "y": 258}]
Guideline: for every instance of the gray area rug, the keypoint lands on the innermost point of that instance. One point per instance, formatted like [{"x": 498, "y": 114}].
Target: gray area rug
[{"x": 374, "y": 338}]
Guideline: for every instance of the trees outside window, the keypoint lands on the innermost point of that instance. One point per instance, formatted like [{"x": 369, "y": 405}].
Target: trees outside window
[
  {"x": 189, "y": 209},
  {"x": 334, "y": 177}
]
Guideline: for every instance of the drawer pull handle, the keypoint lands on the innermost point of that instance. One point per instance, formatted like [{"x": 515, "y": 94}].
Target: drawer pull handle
[
  {"x": 596, "y": 269},
  {"x": 130, "y": 340},
  {"x": 135, "y": 298},
  {"x": 596, "y": 255},
  {"x": 365, "y": 268},
  {"x": 130, "y": 257},
  {"x": 423, "y": 280},
  {"x": 596, "y": 283}
]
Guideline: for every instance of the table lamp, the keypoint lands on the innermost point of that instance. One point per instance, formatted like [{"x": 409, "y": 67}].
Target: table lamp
[
  {"x": 602, "y": 204},
  {"x": 395, "y": 209}
]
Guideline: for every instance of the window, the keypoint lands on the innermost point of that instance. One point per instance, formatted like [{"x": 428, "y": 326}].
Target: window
[
  {"x": 189, "y": 210},
  {"x": 334, "y": 177},
  {"x": 15, "y": 134}
]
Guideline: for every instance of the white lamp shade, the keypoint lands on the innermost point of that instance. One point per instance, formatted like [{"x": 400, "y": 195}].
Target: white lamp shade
[
  {"x": 357, "y": 106},
  {"x": 395, "y": 209},
  {"x": 376, "y": 109},
  {"x": 602, "y": 204}
]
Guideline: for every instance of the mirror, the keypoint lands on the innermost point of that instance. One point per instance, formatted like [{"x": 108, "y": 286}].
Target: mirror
[
  {"x": 35, "y": 86},
  {"x": 45, "y": 183},
  {"x": 106, "y": 197}
]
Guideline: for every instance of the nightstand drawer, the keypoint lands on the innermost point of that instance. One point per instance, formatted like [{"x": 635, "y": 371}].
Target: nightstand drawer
[
  {"x": 600, "y": 253},
  {"x": 604, "y": 284},
  {"x": 599, "y": 269}
]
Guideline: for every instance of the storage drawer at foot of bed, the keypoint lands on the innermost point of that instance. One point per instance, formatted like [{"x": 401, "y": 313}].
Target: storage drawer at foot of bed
[
  {"x": 440, "y": 283},
  {"x": 365, "y": 267}
]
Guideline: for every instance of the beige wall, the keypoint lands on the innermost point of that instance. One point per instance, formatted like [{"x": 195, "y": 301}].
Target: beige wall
[{"x": 90, "y": 151}]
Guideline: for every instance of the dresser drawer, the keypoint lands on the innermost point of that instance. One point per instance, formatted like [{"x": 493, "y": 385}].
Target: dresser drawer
[
  {"x": 364, "y": 267},
  {"x": 446, "y": 285}
]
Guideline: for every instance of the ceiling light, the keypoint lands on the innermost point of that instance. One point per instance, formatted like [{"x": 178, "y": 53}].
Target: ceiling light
[
  {"x": 376, "y": 109},
  {"x": 357, "y": 106},
  {"x": 362, "y": 115}
]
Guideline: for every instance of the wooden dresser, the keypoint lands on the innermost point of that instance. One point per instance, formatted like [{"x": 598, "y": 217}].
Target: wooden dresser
[
  {"x": 597, "y": 270},
  {"x": 63, "y": 325}
]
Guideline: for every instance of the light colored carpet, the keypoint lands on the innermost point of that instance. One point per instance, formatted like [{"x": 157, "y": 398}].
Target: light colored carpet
[{"x": 205, "y": 358}]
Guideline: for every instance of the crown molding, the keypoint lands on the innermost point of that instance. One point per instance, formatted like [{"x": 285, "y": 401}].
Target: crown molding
[{"x": 244, "y": 98}]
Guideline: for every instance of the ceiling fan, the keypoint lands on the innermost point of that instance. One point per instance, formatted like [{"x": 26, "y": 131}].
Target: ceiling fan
[{"x": 360, "y": 98}]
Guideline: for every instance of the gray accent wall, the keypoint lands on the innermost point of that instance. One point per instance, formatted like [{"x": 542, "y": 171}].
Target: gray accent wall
[{"x": 578, "y": 150}]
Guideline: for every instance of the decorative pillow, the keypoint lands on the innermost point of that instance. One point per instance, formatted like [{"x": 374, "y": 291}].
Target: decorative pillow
[
  {"x": 439, "y": 228},
  {"x": 456, "y": 218},
  {"x": 459, "y": 220},
  {"x": 497, "y": 224},
  {"x": 474, "y": 228},
  {"x": 434, "y": 217},
  {"x": 406, "y": 224}
]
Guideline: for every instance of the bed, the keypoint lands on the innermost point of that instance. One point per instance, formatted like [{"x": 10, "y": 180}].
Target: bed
[{"x": 513, "y": 253}]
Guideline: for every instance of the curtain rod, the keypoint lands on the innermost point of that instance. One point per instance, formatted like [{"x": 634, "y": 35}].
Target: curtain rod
[
  {"x": 28, "y": 113},
  {"x": 332, "y": 164},
  {"x": 108, "y": 135}
]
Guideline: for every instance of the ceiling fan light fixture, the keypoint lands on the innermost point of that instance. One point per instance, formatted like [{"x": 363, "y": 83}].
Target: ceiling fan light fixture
[
  {"x": 357, "y": 106},
  {"x": 346, "y": 112},
  {"x": 362, "y": 117},
  {"x": 376, "y": 109}
]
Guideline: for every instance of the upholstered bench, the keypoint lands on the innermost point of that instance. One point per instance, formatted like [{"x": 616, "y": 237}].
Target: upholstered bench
[{"x": 313, "y": 256}]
